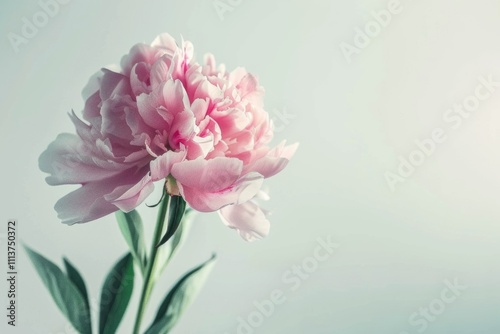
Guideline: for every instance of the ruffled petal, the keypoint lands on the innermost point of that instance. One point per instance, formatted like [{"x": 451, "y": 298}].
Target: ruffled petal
[
  {"x": 69, "y": 162},
  {"x": 208, "y": 175},
  {"x": 88, "y": 202},
  {"x": 241, "y": 191},
  {"x": 85, "y": 204},
  {"x": 274, "y": 162},
  {"x": 161, "y": 166},
  {"x": 247, "y": 218},
  {"x": 127, "y": 198}
]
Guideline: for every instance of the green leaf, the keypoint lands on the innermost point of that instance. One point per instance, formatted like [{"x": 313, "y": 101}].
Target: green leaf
[
  {"x": 179, "y": 298},
  {"x": 78, "y": 281},
  {"x": 115, "y": 295},
  {"x": 177, "y": 208},
  {"x": 182, "y": 231},
  {"x": 132, "y": 229},
  {"x": 65, "y": 293},
  {"x": 167, "y": 252}
]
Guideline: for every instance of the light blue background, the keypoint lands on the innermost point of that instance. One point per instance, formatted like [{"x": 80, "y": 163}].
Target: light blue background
[{"x": 352, "y": 121}]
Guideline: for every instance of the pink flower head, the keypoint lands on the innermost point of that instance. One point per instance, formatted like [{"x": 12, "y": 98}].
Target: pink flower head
[{"x": 163, "y": 115}]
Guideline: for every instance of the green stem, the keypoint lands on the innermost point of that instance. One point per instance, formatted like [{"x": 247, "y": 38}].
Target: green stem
[{"x": 148, "y": 283}]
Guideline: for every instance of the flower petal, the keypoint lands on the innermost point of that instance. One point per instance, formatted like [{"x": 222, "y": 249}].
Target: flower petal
[
  {"x": 127, "y": 198},
  {"x": 247, "y": 218},
  {"x": 241, "y": 191},
  {"x": 208, "y": 175},
  {"x": 67, "y": 162},
  {"x": 84, "y": 204},
  {"x": 274, "y": 162},
  {"x": 161, "y": 166}
]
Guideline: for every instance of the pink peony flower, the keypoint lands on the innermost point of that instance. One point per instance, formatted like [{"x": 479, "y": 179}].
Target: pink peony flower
[{"x": 163, "y": 116}]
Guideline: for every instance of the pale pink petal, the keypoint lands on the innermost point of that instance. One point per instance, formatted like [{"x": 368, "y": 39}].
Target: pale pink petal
[
  {"x": 141, "y": 132},
  {"x": 244, "y": 142},
  {"x": 159, "y": 71},
  {"x": 114, "y": 118},
  {"x": 139, "y": 53},
  {"x": 241, "y": 191},
  {"x": 127, "y": 197},
  {"x": 206, "y": 89},
  {"x": 274, "y": 162},
  {"x": 199, "y": 147},
  {"x": 86, "y": 132},
  {"x": 237, "y": 75},
  {"x": 209, "y": 127},
  {"x": 88, "y": 202},
  {"x": 91, "y": 111},
  {"x": 268, "y": 166},
  {"x": 247, "y": 218},
  {"x": 84, "y": 204},
  {"x": 231, "y": 122},
  {"x": 284, "y": 151},
  {"x": 187, "y": 52},
  {"x": 139, "y": 78},
  {"x": 175, "y": 97},
  {"x": 67, "y": 162},
  {"x": 182, "y": 129},
  {"x": 93, "y": 85},
  {"x": 209, "y": 65},
  {"x": 208, "y": 175},
  {"x": 250, "y": 90},
  {"x": 199, "y": 108},
  {"x": 113, "y": 83},
  {"x": 166, "y": 42},
  {"x": 151, "y": 108},
  {"x": 161, "y": 166}
]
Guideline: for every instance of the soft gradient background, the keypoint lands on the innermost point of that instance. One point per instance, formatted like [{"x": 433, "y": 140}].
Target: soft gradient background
[{"x": 352, "y": 120}]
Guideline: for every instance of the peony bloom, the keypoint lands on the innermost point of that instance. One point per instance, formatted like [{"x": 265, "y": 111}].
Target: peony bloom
[{"x": 164, "y": 117}]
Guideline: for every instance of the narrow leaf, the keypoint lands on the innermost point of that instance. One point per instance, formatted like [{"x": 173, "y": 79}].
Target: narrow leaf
[
  {"x": 115, "y": 295},
  {"x": 179, "y": 298},
  {"x": 177, "y": 208},
  {"x": 66, "y": 295},
  {"x": 78, "y": 281},
  {"x": 167, "y": 251},
  {"x": 133, "y": 231}
]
